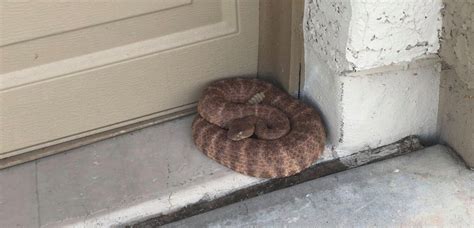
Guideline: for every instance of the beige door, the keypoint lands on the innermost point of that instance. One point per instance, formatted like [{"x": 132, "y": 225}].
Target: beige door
[{"x": 74, "y": 68}]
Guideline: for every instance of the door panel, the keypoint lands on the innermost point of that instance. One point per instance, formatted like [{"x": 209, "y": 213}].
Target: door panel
[
  {"x": 115, "y": 64},
  {"x": 35, "y": 19},
  {"x": 53, "y": 44}
]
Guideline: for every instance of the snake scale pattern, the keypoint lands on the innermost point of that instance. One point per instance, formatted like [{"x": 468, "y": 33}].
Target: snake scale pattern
[{"x": 254, "y": 128}]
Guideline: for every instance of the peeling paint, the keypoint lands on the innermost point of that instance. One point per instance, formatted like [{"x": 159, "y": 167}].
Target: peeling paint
[
  {"x": 405, "y": 30},
  {"x": 418, "y": 44},
  {"x": 346, "y": 42},
  {"x": 362, "y": 34}
]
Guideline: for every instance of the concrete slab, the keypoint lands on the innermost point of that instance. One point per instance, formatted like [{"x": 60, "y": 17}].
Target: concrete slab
[
  {"x": 136, "y": 177},
  {"x": 132, "y": 177},
  {"x": 18, "y": 197},
  {"x": 425, "y": 188},
  {"x": 147, "y": 172}
]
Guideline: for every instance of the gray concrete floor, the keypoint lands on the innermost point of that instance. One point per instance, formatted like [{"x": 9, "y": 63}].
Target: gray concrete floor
[
  {"x": 430, "y": 187},
  {"x": 113, "y": 181},
  {"x": 123, "y": 179}
]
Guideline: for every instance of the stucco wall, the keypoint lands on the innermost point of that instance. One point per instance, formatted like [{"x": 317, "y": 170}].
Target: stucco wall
[
  {"x": 362, "y": 69},
  {"x": 326, "y": 32},
  {"x": 392, "y": 31},
  {"x": 456, "y": 106},
  {"x": 326, "y": 26},
  {"x": 323, "y": 92},
  {"x": 380, "y": 108}
]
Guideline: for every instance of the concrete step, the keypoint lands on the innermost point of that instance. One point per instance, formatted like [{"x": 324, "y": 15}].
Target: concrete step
[
  {"x": 427, "y": 188},
  {"x": 154, "y": 174}
]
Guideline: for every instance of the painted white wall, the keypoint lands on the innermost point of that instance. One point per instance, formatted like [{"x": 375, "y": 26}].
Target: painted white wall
[
  {"x": 322, "y": 91},
  {"x": 384, "y": 107},
  {"x": 326, "y": 24},
  {"x": 365, "y": 69},
  {"x": 363, "y": 34},
  {"x": 392, "y": 31}
]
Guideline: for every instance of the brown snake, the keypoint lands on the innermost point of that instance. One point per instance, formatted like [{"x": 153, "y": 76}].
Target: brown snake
[{"x": 254, "y": 128}]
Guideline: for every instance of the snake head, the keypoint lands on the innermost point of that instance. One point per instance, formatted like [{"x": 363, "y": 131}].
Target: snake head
[
  {"x": 241, "y": 129},
  {"x": 237, "y": 135}
]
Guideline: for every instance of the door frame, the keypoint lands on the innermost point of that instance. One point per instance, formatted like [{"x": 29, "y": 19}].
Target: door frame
[
  {"x": 281, "y": 44},
  {"x": 280, "y": 60}
]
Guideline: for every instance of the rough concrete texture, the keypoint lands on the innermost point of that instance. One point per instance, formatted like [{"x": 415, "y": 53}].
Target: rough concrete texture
[
  {"x": 326, "y": 26},
  {"x": 458, "y": 39},
  {"x": 456, "y": 107},
  {"x": 363, "y": 37},
  {"x": 456, "y": 115},
  {"x": 18, "y": 198},
  {"x": 123, "y": 179},
  {"x": 392, "y": 31},
  {"x": 363, "y": 34},
  {"x": 426, "y": 188}
]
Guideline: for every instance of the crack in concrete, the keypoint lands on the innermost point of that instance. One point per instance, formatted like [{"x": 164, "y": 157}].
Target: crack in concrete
[{"x": 169, "y": 201}]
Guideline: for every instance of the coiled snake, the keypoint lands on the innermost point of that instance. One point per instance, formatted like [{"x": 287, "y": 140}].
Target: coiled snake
[{"x": 254, "y": 128}]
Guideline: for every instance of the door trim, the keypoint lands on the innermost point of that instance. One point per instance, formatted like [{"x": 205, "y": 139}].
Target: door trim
[{"x": 281, "y": 43}]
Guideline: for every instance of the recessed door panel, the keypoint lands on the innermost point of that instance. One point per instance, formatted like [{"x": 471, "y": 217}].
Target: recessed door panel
[{"x": 112, "y": 63}]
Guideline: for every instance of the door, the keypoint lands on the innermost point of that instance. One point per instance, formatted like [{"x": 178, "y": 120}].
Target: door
[{"x": 70, "y": 69}]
